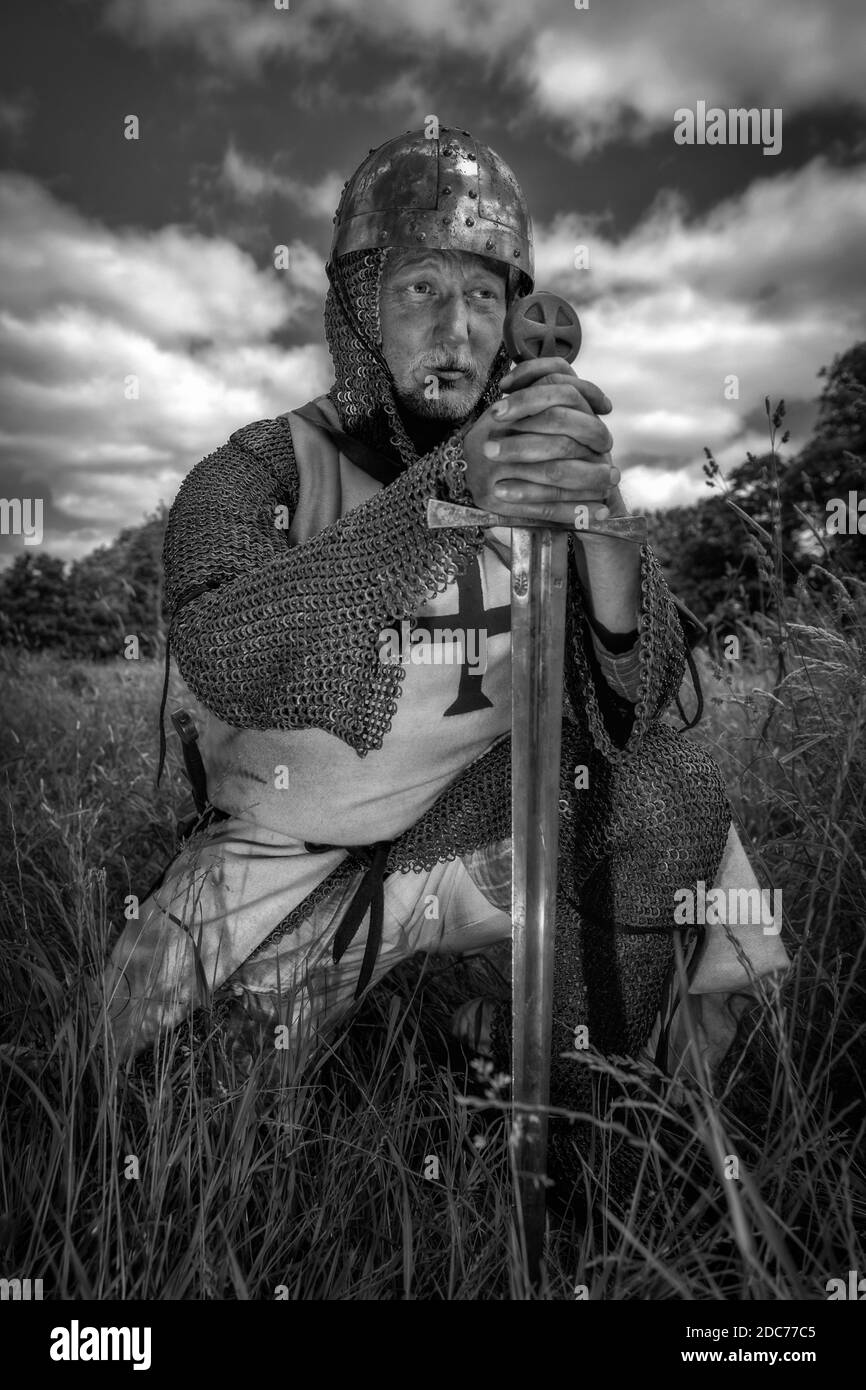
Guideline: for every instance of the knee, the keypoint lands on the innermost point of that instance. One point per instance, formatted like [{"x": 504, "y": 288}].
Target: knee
[
  {"x": 148, "y": 980},
  {"x": 673, "y": 798}
]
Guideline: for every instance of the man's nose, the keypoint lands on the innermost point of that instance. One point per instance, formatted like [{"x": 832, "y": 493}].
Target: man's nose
[{"x": 453, "y": 323}]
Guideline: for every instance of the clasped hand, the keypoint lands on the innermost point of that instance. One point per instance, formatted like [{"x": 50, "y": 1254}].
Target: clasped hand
[{"x": 542, "y": 450}]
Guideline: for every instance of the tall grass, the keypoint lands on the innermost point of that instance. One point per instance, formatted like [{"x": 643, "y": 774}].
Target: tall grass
[{"x": 378, "y": 1168}]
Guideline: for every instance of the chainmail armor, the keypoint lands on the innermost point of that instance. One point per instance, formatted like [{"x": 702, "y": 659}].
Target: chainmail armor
[
  {"x": 288, "y": 637},
  {"x": 273, "y": 636}
]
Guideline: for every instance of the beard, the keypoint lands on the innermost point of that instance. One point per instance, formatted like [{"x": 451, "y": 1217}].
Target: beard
[{"x": 450, "y": 401}]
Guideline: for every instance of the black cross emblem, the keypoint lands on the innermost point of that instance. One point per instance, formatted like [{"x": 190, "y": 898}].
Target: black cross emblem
[{"x": 470, "y": 614}]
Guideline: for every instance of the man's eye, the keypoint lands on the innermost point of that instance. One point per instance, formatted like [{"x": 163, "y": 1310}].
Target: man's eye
[
  {"x": 487, "y": 292},
  {"x": 420, "y": 285}
]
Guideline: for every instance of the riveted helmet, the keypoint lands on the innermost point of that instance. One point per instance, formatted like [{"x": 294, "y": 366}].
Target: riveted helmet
[{"x": 448, "y": 193}]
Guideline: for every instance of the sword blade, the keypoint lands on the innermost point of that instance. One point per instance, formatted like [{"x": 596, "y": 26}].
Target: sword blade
[{"x": 538, "y": 595}]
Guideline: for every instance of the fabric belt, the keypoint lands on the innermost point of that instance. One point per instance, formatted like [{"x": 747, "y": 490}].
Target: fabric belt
[{"x": 370, "y": 893}]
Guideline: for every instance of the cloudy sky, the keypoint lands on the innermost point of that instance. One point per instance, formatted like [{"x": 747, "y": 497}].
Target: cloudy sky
[{"x": 154, "y": 257}]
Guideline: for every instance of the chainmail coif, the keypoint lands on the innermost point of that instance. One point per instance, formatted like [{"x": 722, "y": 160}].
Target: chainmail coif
[
  {"x": 363, "y": 391},
  {"x": 269, "y": 635}
]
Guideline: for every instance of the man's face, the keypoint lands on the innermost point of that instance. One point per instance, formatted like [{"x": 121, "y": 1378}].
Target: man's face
[{"x": 441, "y": 315}]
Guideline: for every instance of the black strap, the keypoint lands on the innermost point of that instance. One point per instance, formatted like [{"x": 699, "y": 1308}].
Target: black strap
[
  {"x": 696, "y": 683},
  {"x": 370, "y": 893},
  {"x": 615, "y": 642},
  {"x": 375, "y": 464},
  {"x": 693, "y": 632},
  {"x": 186, "y": 597},
  {"x": 165, "y": 679},
  {"x": 693, "y": 629},
  {"x": 195, "y": 769}
]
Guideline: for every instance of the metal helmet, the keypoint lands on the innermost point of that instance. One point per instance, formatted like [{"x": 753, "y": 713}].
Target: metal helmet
[{"x": 448, "y": 192}]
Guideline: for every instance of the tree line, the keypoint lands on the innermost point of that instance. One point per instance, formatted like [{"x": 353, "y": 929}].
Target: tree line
[
  {"x": 776, "y": 515},
  {"x": 90, "y": 607}
]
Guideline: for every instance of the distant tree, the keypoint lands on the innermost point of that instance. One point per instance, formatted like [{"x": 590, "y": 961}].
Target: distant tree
[
  {"x": 831, "y": 464},
  {"x": 793, "y": 494},
  {"x": 715, "y": 559},
  {"x": 90, "y": 608},
  {"x": 34, "y": 603},
  {"x": 707, "y": 562},
  {"x": 117, "y": 591}
]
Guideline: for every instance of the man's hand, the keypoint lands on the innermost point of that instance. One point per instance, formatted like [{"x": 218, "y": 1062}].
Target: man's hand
[
  {"x": 542, "y": 450},
  {"x": 554, "y": 454}
]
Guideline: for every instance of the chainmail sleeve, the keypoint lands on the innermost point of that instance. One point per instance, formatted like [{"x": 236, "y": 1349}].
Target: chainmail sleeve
[
  {"x": 271, "y": 635},
  {"x": 618, "y": 727}
]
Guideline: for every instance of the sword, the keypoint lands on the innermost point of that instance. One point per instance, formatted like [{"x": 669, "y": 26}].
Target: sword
[{"x": 540, "y": 324}]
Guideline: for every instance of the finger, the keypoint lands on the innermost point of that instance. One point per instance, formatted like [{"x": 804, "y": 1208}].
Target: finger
[
  {"x": 520, "y": 493},
  {"x": 541, "y": 395},
  {"x": 566, "y": 378},
  {"x": 556, "y": 513},
  {"x": 524, "y": 447},
  {"x": 586, "y": 430},
  {"x": 584, "y": 453},
  {"x": 572, "y": 476},
  {"x": 524, "y": 373}
]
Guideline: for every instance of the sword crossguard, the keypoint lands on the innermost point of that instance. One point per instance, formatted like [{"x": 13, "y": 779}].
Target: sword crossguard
[{"x": 452, "y": 514}]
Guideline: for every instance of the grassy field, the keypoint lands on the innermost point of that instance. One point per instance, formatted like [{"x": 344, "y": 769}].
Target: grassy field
[{"x": 190, "y": 1179}]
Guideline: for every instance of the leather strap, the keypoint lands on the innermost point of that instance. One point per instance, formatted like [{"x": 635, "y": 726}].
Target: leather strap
[
  {"x": 370, "y": 893},
  {"x": 376, "y": 465}
]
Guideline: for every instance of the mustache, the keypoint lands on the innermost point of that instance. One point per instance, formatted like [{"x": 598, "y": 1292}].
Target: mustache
[{"x": 453, "y": 364}]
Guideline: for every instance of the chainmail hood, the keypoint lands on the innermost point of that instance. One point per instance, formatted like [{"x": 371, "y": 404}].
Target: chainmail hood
[{"x": 363, "y": 390}]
